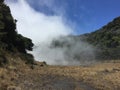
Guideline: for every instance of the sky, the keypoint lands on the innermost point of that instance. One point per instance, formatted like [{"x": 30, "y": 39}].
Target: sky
[
  {"x": 83, "y": 15},
  {"x": 35, "y": 24},
  {"x": 87, "y": 15}
]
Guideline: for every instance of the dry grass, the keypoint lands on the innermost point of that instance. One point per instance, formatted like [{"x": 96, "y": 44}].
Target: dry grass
[{"x": 102, "y": 76}]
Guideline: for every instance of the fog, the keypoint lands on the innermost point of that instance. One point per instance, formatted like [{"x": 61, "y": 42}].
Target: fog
[
  {"x": 65, "y": 51},
  {"x": 44, "y": 30}
]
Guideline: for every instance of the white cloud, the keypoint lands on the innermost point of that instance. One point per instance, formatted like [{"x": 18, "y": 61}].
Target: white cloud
[
  {"x": 42, "y": 28},
  {"x": 53, "y": 6},
  {"x": 36, "y": 25},
  {"x": 39, "y": 27}
]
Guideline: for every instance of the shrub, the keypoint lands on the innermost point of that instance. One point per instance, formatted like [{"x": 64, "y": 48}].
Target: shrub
[
  {"x": 3, "y": 60},
  {"x": 28, "y": 58}
]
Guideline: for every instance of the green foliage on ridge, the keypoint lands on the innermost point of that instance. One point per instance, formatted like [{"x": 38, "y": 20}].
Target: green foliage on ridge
[
  {"x": 107, "y": 40},
  {"x": 8, "y": 33},
  {"x": 10, "y": 40}
]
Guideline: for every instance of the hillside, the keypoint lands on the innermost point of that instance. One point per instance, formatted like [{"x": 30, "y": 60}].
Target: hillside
[
  {"x": 10, "y": 41},
  {"x": 105, "y": 42}
]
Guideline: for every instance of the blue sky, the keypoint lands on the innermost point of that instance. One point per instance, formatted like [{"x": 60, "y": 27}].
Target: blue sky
[{"x": 87, "y": 15}]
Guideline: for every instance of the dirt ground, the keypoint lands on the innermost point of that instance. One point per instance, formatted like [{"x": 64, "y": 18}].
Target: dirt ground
[{"x": 101, "y": 76}]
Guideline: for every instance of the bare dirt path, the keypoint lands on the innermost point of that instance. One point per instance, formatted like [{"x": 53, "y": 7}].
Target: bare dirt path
[{"x": 64, "y": 83}]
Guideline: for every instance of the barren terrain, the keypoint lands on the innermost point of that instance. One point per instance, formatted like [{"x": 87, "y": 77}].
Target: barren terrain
[{"x": 19, "y": 76}]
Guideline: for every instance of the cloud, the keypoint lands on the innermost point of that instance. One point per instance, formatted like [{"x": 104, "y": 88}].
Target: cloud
[
  {"x": 47, "y": 3},
  {"x": 37, "y": 25},
  {"x": 49, "y": 6},
  {"x": 65, "y": 51},
  {"x": 43, "y": 29}
]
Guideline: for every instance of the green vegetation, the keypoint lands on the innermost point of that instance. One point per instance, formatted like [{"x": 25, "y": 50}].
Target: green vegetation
[
  {"x": 10, "y": 40},
  {"x": 106, "y": 40},
  {"x": 8, "y": 33}
]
